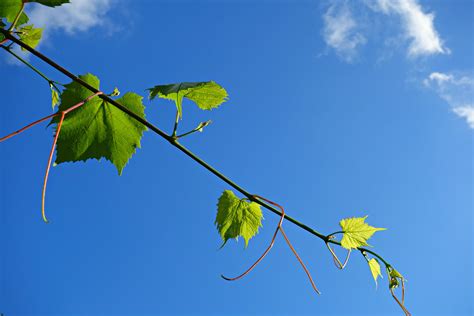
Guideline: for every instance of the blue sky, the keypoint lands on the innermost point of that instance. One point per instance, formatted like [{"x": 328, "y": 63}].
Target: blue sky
[{"x": 336, "y": 109}]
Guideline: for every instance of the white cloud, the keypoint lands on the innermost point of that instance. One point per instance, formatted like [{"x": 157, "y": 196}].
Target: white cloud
[
  {"x": 340, "y": 31},
  {"x": 71, "y": 18},
  {"x": 418, "y": 26},
  {"x": 466, "y": 112},
  {"x": 74, "y": 17},
  {"x": 457, "y": 91},
  {"x": 343, "y": 32}
]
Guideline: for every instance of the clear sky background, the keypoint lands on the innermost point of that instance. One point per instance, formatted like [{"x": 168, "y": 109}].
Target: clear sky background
[{"x": 336, "y": 109}]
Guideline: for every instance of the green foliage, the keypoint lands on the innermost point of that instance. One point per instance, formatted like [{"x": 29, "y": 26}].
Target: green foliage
[
  {"x": 395, "y": 278},
  {"x": 51, "y": 3},
  {"x": 54, "y": 96},
  {"x": 237, "y": 217},
  {"x": 98, "y": 129},
  {"x": 374, "y": 269},
  {"x": 9, "y": 10},
  {"x": 207, "y": 95},
  {"x": 356, "y": 232},
  {"x": 30, "y": 35}
]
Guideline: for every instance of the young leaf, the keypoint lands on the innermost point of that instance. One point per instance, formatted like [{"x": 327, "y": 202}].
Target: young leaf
[
  {"x": 395, "y": 278},
  {"x": 97, "y": 129},
  {"x": 236, "y": 217},
  {"x": 54, "y": 96},
  {"x": 30, "y": 35},
  {"x": 375, "y": 269},
  {"x": 356, "y": 232},
  {"x": 50, "y": 3},
  {"x": 207, "y": 95}
]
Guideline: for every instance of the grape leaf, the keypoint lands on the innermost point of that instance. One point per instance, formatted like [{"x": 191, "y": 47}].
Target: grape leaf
[
  {"x": 50, "y": 3},
  {"x": 237, "y": 217},
  {"x": 30, "y": 35},
  {"x": 10, "y": 8},
  {"x": 375, "y": 269},
  {"x": 356, "y": 232},
  {"x": 395, "y": 278},
  {"x": 54, "y": 96},
  {"x": 207, "y": 95},
  {"x": 98, "y": 129}
]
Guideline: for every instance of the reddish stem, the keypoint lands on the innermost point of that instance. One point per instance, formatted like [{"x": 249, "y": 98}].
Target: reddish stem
[
  {"x": 58, "y": 129},
  {"x": 28, "y": 126},
  {"x": 299, "y": 259},
  {"x": 48, "y": 167}
]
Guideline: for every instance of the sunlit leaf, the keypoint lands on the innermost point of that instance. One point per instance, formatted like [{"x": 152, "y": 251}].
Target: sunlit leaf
[
  {"x": 356, "y": 232},
  {"x": 30, "y": 35},
  {"x": 237, "y": 217},
  {"x": 98, "y": 129},
  {"x": 207, "y": 95},
  {"x": 374, "y": 269}
]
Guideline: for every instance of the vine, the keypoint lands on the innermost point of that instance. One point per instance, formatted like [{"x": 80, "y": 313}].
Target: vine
[{"x": 117, "y": 133}]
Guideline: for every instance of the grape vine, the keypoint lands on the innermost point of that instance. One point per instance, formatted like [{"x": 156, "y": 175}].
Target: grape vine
[{"x": 91, "y": 124}]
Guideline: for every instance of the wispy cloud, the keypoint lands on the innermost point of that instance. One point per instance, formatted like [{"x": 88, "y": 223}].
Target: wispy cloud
[
  {"x": 340, "y": 31},
  {"x": 415, "y": 26},
  {"x": 456, "y": 90},
  {"x": 74, "y": 17},
  {"x": 418, "y": 25},
  {"x": 71, "y": 18}
]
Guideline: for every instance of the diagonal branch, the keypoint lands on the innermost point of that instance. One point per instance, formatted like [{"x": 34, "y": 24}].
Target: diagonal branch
[{"x": 177, "y": 145}]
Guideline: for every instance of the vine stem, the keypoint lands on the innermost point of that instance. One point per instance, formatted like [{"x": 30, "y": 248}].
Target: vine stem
[
  {"x": 176, "y": 144},
  {"x": 29, "y": 65},
  {"x": 58, "y": 130}
]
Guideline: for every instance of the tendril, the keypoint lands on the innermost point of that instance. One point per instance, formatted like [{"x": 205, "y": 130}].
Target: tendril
[
  {"x": 272, "y": 242},
  {"x": 58, "y": 130},
  {"x": 301, "y": 261},
  {"x": 48, "y": 166},
  {"x": 336, "y": 260},
  {"x": 402, "y": 303}
]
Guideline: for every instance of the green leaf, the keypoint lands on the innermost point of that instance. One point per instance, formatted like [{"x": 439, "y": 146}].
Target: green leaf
[
  {"x": 237, "y": 217},
  {"x": 50, "y": 3},
  {"x": 375, "y": 269},
  {"x": 395, "y": 278},
  {"x": 9, "y": 9},
  {"x": 356, "y": 232},
  {"x": 98, "y": 129},
  {"x": 54, "y": 96},
  {"x": 207, "y": 95},
  {"x": 30, "y": 35}
]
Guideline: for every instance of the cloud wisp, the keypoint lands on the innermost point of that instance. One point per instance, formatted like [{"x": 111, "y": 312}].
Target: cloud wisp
[
  {"x": 77, "y": 16},
  {"x": 418, "y": 26},
  {"x": 340, "y": 31},
  {"x": 457, "y": 91}
]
